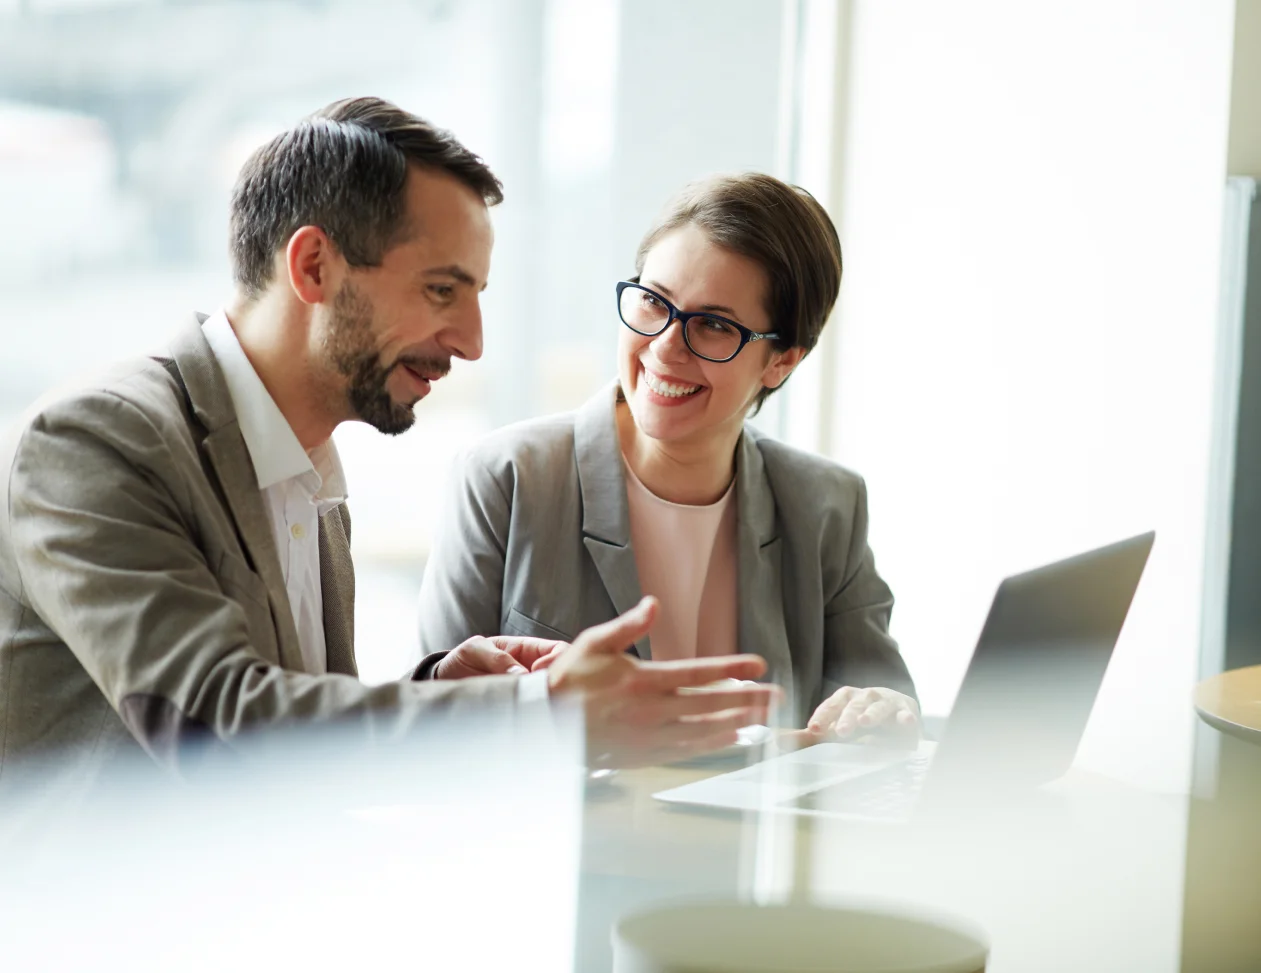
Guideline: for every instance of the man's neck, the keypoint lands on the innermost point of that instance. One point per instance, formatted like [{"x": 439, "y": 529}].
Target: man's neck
[
  {"x": 274, "y": 339},
  {"x": 693, "y": 473}
]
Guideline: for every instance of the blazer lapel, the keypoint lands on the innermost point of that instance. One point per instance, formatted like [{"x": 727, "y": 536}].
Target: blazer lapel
[
  {"x": 337, "y": 583},
  {"x": 230, "y": 459},
  {"x": 605, "y": 514},
  {"x": 761, "y": 627}
]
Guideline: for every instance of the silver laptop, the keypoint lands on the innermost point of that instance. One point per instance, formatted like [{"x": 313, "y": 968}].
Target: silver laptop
[{"x": 1016, "y": 723}]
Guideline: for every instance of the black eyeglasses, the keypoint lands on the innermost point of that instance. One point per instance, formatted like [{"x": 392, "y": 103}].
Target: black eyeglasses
[{"x": 708, "y": 336}]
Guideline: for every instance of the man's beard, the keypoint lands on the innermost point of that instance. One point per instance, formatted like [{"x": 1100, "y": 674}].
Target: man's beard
[{"x": 350, "y": 345}]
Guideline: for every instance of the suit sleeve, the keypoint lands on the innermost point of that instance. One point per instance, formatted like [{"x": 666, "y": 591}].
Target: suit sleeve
[
  {"x": 858, "y": 650},
  {"x": 107, "y": 555},
  {"x": 461, "y": 594}
]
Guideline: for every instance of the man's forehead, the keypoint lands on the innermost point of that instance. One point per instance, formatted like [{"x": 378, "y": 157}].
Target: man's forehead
[
  {"x": 451, "y": 242},
  {"x": 435, "y": 191}
]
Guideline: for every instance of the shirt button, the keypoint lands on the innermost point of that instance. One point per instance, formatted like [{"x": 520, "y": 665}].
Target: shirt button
[{"x": 298, "y": 532}]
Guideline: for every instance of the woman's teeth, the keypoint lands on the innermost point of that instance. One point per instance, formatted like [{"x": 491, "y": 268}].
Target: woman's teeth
[{"x": 662, "y": 387}]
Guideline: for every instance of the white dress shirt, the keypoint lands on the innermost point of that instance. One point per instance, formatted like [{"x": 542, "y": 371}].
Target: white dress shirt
[{"x": 298, "y": 487}]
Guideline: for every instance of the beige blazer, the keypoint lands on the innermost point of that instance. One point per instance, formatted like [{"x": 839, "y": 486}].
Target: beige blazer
[
  {"x": 536, "y": 541},
  {"x": 142, "y": 603}
]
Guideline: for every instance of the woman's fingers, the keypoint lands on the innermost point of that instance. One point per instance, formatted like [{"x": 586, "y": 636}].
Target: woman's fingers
[
  {"x": 878, "y": 712},
  {"x": 829, "y": 711},
  {"x": 850, "y": 708},
  {"x": 867, "y": 708},
  {"x": 859, "y": 703}
]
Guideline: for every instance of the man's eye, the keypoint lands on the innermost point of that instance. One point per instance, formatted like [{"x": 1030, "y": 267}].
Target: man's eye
[{"x": 442, "y": 291}]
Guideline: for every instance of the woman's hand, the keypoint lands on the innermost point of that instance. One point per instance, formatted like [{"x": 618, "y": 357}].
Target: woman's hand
[{"x": 850, "y": 714}]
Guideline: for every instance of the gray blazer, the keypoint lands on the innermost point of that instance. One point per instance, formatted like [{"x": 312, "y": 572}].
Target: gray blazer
[
  {"x": 142, "y": 604},
  {"x": 536, "y": 541}
]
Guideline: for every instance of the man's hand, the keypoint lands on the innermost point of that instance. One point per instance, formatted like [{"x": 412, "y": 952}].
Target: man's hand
[
  {"x": 849, "y": 713},
  {"x": 501, "y": 655},
  {"x": 635, "y": 713}
]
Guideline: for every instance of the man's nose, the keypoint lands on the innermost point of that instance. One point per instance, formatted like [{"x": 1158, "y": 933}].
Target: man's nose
[{"x": 464, "y": 337}]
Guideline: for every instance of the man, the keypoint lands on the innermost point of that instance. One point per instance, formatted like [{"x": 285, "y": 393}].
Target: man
[{"x": 174, "y": 542}]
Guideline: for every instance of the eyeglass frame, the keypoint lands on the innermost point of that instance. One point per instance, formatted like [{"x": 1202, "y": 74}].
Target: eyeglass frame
[{"x": 747, "y": 335}]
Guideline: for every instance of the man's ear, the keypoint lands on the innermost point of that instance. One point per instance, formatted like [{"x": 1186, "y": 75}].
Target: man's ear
[
  {"x": 308, "y": 260},
  {"x": 781, "y": 366}
]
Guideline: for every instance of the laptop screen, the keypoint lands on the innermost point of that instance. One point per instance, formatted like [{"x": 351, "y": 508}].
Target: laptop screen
[{"x": 1037, "y": 668}]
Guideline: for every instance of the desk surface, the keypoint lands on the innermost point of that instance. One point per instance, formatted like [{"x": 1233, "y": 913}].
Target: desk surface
[
  {"x": 1231, "y": 702},
  {"x": 1087, "y": 878}
]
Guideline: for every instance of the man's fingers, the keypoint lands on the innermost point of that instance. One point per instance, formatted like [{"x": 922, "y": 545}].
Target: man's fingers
[
  {"x": 723, "y": 724},
  {"x": 484, "y": 656},
  {"x": 670, "y": 753},
  {"x": 664, "y": 677},
  {"x": 477, "y": 657},
  {"x": 547, "y": 660},
  {"x": 700, "y": 704},
  {"x": 622, "y": 632},
  {"x": 697, "y": 704},
  {"x": 662, "y": 710},
  {"x": 699, "y": 746},
  {"x": 527, "y": 651},
  {"x": 493, "y": 661},
  {"x": 681, "y": 740},
  {"x": 523, "y": 643}
]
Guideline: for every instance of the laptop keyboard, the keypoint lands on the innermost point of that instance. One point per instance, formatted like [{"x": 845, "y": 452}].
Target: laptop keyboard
[{"x": 889, "y": 792}]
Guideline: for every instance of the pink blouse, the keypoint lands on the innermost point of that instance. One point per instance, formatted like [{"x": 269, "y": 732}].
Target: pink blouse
[{"x": 686, "y": 556}]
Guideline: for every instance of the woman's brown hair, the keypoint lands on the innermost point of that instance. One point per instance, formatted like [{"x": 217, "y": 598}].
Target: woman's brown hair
[{"x": 781, "y": 227}]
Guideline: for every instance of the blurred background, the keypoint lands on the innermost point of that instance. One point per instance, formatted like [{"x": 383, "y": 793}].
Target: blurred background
[{"x": 1027, "y": 350}]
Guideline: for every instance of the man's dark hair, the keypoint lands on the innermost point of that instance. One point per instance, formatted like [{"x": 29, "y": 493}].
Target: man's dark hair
[{"x": 343, "y": 169}]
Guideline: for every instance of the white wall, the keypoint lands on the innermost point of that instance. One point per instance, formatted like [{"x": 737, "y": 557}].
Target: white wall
[{"x": 1030, "y": 213}]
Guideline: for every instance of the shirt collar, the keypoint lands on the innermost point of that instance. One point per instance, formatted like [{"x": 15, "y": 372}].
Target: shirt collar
[{"x": 273, "y": 447}]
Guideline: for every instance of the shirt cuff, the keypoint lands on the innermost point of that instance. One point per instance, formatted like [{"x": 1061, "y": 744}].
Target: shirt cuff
[
  {"x": 428, "y": 665},
  {"x": 532, "y": 689}
]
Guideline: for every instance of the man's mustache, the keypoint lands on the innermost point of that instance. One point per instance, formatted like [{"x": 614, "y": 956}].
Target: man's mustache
[{"x": 426, "y": 367}]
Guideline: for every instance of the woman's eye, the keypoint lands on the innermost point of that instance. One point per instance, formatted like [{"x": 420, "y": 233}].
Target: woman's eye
[{"x": 717, "y": 326}]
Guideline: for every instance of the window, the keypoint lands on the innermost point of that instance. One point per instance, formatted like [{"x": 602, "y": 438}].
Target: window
[{"x": 120, "y": 140}]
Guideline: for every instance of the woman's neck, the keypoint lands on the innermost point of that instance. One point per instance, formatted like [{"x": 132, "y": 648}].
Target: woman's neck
[{"x": 692, "y": 473}]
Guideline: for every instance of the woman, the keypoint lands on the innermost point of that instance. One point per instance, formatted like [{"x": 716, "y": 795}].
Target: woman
[{"x": 657, "y": 485}]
